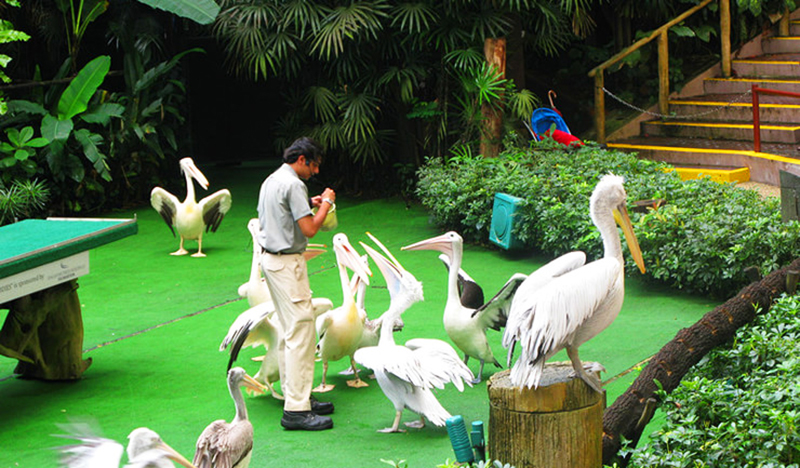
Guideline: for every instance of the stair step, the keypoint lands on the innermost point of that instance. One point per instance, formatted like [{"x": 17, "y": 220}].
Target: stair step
[
  {"x": 736, "y": 107},
  {"x": 780, "y": 45},
  {"x": 774, "y": 65},
  {"x": 718, "y": 174},
  {"x": 770, "y": 132},
  {"x": 764, "y": 166},
  {"x": 742, "y": 84}
]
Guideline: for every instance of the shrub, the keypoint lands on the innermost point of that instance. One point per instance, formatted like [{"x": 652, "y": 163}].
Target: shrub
[
  {"x": 738, "y": 406},
  {"x": 700, "y": 241}
]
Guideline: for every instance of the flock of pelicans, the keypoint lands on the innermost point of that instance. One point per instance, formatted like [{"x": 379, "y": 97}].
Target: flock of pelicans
[{"x": 559, "y": 306}]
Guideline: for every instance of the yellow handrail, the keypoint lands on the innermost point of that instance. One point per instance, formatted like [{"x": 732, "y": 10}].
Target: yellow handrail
[{"x": 663, "y": 62}]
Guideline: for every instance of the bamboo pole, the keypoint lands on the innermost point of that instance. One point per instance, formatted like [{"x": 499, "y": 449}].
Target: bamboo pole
[
  {"x": 663, "y": 72},
  {"x": 725, "y": 36},
  {"x": 599, "y": 107}
]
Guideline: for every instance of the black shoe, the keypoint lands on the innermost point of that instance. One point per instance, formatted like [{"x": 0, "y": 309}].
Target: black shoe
[
  {"x": 321, "y": 407},
  {"x": 305, "y": 421}
]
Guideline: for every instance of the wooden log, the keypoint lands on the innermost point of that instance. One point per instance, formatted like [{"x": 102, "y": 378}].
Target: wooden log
[
  {"x": 495, "y": 51},
  {"x": 46, "y": 328},
  {"x": 558, "y": 424}
]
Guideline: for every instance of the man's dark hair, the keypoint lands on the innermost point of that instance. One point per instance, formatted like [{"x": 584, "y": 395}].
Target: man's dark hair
[{"x": 303, "y": 146}]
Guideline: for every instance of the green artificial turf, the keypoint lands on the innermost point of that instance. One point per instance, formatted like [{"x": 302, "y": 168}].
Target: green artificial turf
[{"x": 153, "y": 324}]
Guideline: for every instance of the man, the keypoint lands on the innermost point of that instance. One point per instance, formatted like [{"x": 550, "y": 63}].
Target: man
[{"x": 287, "y": 222}]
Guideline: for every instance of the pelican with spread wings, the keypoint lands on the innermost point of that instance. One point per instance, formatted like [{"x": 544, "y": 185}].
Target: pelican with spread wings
[{"x": 189, "y": 217}]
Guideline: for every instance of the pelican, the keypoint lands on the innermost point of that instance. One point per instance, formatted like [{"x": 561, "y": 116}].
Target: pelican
[
  {"x": 466, "y": 324},
  {"x": 229, "y": 445},
  {"x": 340, "y": 329},
  {"x": 567, "y": 302},
  {"x": 258, "y": 326},
  {"x": 191, "y": 218},
  {"x": 145, "y": 450},
  {"x": 407, "y": 374},
  {"x": 255, "y": 289}
]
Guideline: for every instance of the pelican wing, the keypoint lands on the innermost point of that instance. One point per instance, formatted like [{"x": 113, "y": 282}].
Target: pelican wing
[
  {"x": 245, "y": 330},
  {"x": 526, "y": 293},
  {"x": 469, "y": 291},
  {"x": 564, "y": 304},
  {"x": 166, "y": 204},
  {"x": 214, "y": 208},
  {"x": 494, "y": 313},
  {"x": 223, "y": 445},
  {"x": 90, "y": 451},
  {"x": 441, "y": 363}
]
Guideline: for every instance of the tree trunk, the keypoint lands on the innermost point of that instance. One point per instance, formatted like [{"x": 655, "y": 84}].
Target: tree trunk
[
  {"x": 495, "y": 51},
  {"x": 558, "y": 424},
  {"x": 46, "y": 328},
  {"x": 631, "y": 412}
]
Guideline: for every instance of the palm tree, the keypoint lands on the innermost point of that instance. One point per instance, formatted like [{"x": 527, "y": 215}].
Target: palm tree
[{"x": 376, "y": 76}]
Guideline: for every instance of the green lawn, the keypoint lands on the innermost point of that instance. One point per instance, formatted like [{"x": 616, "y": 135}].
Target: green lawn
[{"x": 153, "y": 324}]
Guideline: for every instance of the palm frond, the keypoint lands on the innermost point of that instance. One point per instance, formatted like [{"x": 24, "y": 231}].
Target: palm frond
[
  {"x": 323, "y": 102},
  {"x": 303, "y": 15},
  {"x": 414, "y": 17},
  {"x": 462, "y": 60},
  {"x": 359, "y": 114},
  {"x": 348, "y": 23}
]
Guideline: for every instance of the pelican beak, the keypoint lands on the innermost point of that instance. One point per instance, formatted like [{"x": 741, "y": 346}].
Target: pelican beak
[
  {"x": 390, "y": 271},
  {"x": 441, "y": 243},
  {"x": 622, "y": 218},
  {"x": 253, "y": 384},
  {"x": 195, "y": 173},
  {"x": 173, "y": 455},
  {"x": 347, "y": 256}
]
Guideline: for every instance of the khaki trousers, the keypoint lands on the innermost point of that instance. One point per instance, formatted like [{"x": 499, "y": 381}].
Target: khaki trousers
[{"x": 287, "y": 279}]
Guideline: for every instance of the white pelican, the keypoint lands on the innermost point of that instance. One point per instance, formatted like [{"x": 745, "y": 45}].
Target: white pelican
[
  {"x": 466, "y": 325},
  {"x": 190, "y": 218},
  {"x": 340, "y": 329},
  {"x": 145, "y": 450},
  {"x": 255, "y": 289},
  {"x": 568, "y": 303},
  {"x": 229, "y": 445},
  {"x": 407, "y": 374}
]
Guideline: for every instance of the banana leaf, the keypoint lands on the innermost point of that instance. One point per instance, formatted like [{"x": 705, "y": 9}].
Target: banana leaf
[
  {"x": 75, "y": 98},
  {"x": 200, "y": 11}
]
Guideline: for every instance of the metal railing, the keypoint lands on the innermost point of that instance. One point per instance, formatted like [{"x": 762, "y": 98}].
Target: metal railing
[
  {"x": 756, "y": 113},
  {"x": 663, "y": 60}
]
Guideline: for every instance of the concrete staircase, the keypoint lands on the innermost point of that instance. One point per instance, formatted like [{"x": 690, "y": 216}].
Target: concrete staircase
[{"x": 713, "y": 132}]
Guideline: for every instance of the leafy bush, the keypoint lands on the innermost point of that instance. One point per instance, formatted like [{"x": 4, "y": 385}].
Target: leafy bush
[
  {"x": 701, "y": 240},
  {"x": 738, "y": 406}
]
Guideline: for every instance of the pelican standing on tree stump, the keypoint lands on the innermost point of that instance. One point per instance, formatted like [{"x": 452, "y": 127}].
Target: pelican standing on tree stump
[
  {"x": 189, "y": 217},
  {"x": 566, "y": 303}
]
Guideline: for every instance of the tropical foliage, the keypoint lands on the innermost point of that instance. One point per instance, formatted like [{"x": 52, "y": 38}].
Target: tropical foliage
[
  {"x": 738, "y": 406},
  {"x": 382, "y": 80},
  {"x": 7, "y": 34},
  {"x": 702, "y": 240}
]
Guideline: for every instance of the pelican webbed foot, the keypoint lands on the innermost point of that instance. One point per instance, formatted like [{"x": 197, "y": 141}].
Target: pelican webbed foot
[
  {"x": 198, "y": 255},
  {"x": 323, "y": 388},
  {"x": 180, "y": 251},
  {"x": 357, "y": 383},
  {"x": 395, "y": 424},
  {"x": 419, "y": 424}
]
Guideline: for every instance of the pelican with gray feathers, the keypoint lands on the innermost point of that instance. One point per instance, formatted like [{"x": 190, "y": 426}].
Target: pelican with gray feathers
[
  {"x": 465, "y": 322},
  {"x": 408, "y": 374},
  {"x": 145, "y": 450},
  {"x": 566, "y": 303},
  {"x": 189, "y": 217},
  {"x": 229, "y": 445}
]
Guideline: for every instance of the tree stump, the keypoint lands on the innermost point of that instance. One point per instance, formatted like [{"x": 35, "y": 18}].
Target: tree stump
[
  {"x": 558, "y": 424},
  {"x": 44, "y": 330}
]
